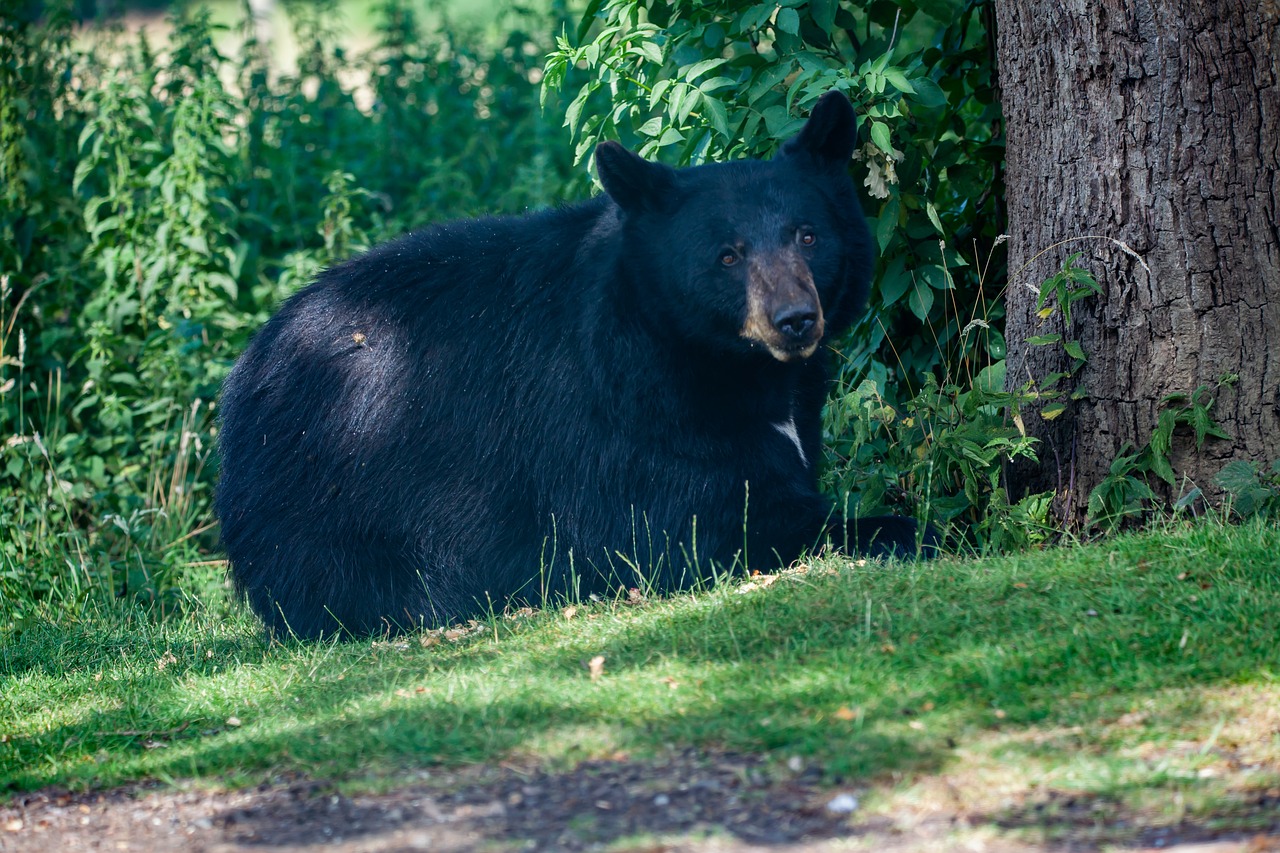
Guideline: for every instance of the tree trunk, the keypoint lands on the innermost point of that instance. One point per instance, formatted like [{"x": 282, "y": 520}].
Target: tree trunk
[{"x": 1155, "y": 123}]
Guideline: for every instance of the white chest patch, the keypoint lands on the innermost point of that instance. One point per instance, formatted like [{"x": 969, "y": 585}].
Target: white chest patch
[{"x": 789, "y": 430}]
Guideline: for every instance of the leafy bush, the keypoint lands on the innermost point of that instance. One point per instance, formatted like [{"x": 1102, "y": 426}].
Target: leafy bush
[
  {"x": 1253, "y": 492},
  {"x": 691, "y": 81},
  {"x": 1125, "y": 494},
  {"x": 156, "y": 205}
]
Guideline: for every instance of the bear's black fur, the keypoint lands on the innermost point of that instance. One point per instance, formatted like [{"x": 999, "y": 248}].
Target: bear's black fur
[{"x": 624, "y": 392}]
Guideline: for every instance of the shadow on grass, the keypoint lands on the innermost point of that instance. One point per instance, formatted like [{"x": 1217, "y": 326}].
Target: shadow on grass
[
  {"x": 1075, "y": 820},
  {"x": 58, "y": 651},
  {"x": 596, "y": 803}
]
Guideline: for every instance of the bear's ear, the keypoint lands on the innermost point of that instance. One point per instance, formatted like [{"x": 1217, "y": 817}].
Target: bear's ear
[
  {"x": 830, "y": 134},
  {"x": 634, "y": 183}
]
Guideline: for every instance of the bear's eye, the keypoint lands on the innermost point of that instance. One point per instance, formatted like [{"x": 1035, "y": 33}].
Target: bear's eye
[
  {"x": 728, "y": 258},
  {"x": 805, "y": 237}
]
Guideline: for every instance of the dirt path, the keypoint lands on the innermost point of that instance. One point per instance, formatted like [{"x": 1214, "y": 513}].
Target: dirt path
[{"x": 686, "y": 802}]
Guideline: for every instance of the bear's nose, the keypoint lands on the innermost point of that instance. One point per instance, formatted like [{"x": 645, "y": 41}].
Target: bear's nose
[{"x": 795, "y": 321}]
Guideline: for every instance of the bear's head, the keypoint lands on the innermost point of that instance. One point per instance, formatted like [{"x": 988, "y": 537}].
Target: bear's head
[{"x": 752, "y": 256}]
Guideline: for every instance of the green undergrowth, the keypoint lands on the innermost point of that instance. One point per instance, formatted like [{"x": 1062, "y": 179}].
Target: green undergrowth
[{"x": 876, "y": 673}]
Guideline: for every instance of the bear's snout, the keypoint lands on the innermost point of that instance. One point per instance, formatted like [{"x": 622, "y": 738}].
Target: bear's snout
[
  {"x": 796, "y": 322},
  {"x": 783, "y": 311}
]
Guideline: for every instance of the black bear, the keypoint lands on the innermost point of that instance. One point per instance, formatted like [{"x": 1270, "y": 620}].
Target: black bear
[{"x": 623, "y": 392}]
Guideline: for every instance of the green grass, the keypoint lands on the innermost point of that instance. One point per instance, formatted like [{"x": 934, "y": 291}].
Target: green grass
[{"x": 1125, "y": 670}]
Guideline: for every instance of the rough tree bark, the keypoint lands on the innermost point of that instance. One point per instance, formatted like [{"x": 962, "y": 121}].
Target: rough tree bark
[{"x": 1155, "y": 123}]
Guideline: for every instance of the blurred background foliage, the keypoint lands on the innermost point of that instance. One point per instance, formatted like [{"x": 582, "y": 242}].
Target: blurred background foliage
[{"x": 164, "y": 187}]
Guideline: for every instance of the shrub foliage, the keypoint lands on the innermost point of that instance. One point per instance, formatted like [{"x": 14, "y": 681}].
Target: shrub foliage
[
  {"x": 688, "y": 81},
  {"x": 157, "y": 203}
]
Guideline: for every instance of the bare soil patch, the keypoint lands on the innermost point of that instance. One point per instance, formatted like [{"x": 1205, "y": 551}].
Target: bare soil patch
[{"x": 686, "y": 801}]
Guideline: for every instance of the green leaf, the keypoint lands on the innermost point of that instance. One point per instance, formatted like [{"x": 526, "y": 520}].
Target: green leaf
[
  {"x": 824, "y": 13},
  {"x": 225, "y": 283},
  {"x": 776, "y": 118},
  {"x": 651, "y": 51},
  {"x": 927, "y": 93},
  {"x": 788, "y": 20},
  {"x": 894, "y": 282},
  {"x": 652, "y": 127},
  {"x": 717, "y": 115},
  {"x": 934, "y": 276},
  {"x": 196, "y": 243},
  {"x": 1205, "y": 426},
  {"x": 678, "y": 93},
  {"x": 1096, "y": 506},
  {"x": 1074, "y": 350},
  {"x": 899, "y": 80},
  {"x": 932, "y": 213},
  {"x": 940, "y": 10},
  {"x": 692, "y": 99},
  {"x": 1052, "y": 411},
  {"x": 1162, "y": 436},
  {"x": 991, "y": 379},
  {"x": 1188, "y": 499},
  {"x": 755, "y": 16},
  {"x": 670, "y": 136},
  {"x": 1240, "y": 479},
  {"x": 920, "y": 300},
  {"x": 697, "y": 69},
  {"x": 1161, "y": 468},
  {"x": 573, "y": 113},
  {"x": 880, "y": 136},
  {"x": 582, "y": 148},
  {"x": 769, "y": 76},
  {"x": 83, "y": 169},
  {"x": 713, "y": 83},
  {"x": 1043, "y": 340},
  {"x": 659, "y": 89},
  {"x": 111, "y": 223},
  {"x": 887, "y": 223}
]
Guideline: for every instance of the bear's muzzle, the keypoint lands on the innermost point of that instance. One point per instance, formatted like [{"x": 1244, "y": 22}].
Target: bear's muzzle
[{"x": 783, "y": 311}]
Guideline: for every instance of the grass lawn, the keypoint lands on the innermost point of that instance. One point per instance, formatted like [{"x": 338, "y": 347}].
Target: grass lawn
[{"x": 1141, "y": 674}]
